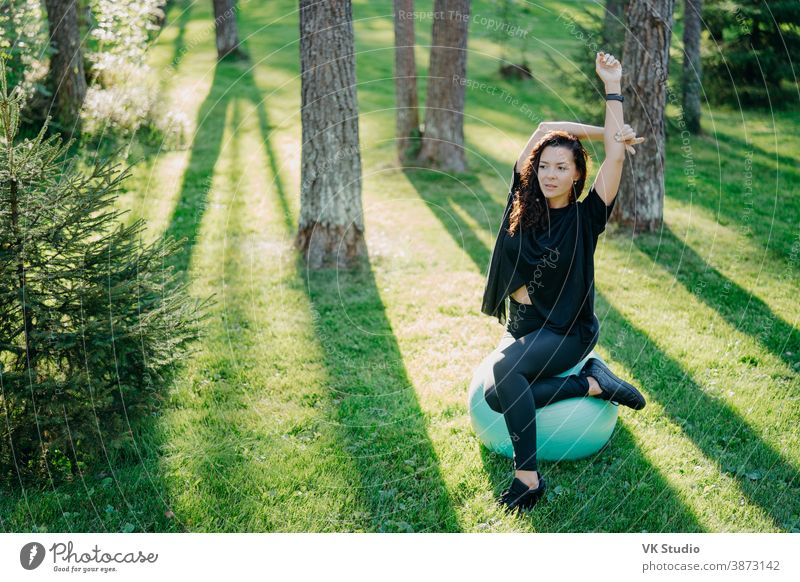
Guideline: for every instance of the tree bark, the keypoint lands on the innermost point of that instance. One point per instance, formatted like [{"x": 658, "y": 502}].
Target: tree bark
[
  {"x": 227, "y": 31},
  {"x": 331, "y": 225},
  {"x": 644, "y": 84},
  {"x": 614, "y": 26},
  {"x": 405, "y": 79},
  {"x": 67, "y": 75},
  {"x": 692, "y": 73},
  {"x": 443, "y": 134}
]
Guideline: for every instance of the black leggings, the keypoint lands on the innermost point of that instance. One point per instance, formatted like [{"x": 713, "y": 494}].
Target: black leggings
[{"x": 522, "y": 381}]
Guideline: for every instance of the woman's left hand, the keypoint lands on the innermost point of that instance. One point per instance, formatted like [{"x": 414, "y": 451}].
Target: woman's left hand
[
  {"x": 628, "y": 136},
  {"x": 608, "y": 68}
]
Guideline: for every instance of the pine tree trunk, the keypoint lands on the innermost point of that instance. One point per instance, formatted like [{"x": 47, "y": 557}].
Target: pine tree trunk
[
  {"x": 692, "y": 73},
  {"x": 331, "y": 226},
  {"x": 644, "y": 83},
  {"x": 614, "y": 27},
  {"x": 227, "y": 31},
  {"x": 22, "y": 290},
  {"x": 405, "y": 78},
  {"x": 66, "y": 64},
  {"x": 443, "y": 134}
]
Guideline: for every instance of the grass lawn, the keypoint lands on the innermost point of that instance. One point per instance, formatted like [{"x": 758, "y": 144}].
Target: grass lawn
[{"x": 336, "y": 401}]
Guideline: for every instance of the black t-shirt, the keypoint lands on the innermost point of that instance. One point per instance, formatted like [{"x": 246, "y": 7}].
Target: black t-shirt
[{"x": 555, "y": 263}]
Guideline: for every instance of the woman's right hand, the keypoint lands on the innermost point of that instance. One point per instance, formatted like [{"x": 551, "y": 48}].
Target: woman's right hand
[{"x": 628, "y": 136}]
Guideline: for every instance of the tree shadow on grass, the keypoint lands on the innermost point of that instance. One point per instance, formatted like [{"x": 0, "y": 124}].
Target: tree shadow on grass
[
  {"x": 180, "y": 14},
  {"x": 736, "y": 144},
  {"x": 447, "y": 200},
  {"x": 242, "y": 463},
  {"x": 220, "y": 467},
  {"x": 769, "y": 221},
  {"x": 376, "y": 413},
  {"x": 765, "y": 476},
  {"x": 379, "y": 415},
  {"x": 738, "y": 307},
  {"x": 220, "y": 462},
  {"x": 197, "y": 179},
  {"x": 185, "y": 222}
]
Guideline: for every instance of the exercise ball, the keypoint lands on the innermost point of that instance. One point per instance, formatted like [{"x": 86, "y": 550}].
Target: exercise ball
[{"x": 570, "y": 429}]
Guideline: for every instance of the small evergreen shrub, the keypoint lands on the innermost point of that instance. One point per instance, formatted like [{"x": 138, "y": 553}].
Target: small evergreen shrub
[{"x": 93, "y": 323}]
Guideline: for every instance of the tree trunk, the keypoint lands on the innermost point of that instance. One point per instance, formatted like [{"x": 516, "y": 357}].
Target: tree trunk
[
  {"x": 644, "y": 85},
  {"x": 66, "y": 65},
  {"x": 161, "y": 16},
  {"x": 405, "y": 79},
  {"x": 227, "y": 31},
  {"x": 331, "y": 226},
  {"x": 614, "y": 27},
  {"x": 692, "y": 73},
  {"x": 443, "y": 134}
]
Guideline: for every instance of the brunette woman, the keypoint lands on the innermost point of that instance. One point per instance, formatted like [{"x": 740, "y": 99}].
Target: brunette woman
[{"x": 541, "y": 280}]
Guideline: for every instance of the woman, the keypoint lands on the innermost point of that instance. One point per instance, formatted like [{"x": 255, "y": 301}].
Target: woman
[{"x": 543, "y": 262}]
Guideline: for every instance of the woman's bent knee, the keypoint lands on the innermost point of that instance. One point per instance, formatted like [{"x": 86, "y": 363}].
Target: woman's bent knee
[{"x": 490, "y": 394}]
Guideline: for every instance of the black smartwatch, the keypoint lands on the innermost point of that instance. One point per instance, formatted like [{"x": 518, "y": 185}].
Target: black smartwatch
[{"x": 615, "y": 97}]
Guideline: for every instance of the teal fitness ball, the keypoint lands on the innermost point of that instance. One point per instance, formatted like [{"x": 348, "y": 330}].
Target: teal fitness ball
[{"x": 566, "y": 430}]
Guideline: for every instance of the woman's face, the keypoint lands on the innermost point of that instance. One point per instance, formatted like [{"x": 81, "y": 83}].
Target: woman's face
[{"x": 556, "y": 171}]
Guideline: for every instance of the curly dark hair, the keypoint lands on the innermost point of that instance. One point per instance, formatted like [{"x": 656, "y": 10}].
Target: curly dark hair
[{"x": 529, "y": 208}]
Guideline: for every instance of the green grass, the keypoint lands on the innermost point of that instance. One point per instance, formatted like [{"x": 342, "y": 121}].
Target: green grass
[{"x": 337, "y": 401}]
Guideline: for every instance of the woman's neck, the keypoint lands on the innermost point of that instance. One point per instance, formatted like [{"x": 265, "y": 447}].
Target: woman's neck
[{"x": 559, "y": 202}]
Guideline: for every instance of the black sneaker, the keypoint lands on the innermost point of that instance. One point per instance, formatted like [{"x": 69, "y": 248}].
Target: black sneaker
[
  {"x": 520, "y": 497},
  {"x": 613, "y": 388}
]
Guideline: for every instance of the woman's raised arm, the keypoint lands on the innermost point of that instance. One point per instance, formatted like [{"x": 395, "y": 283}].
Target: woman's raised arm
[
  {"x": 579, "y": 130},
  {"x": 609, "y": 176}
]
